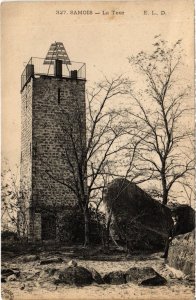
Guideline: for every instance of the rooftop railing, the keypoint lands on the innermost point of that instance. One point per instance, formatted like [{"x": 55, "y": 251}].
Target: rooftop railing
[{"x": 37, "y": 67}]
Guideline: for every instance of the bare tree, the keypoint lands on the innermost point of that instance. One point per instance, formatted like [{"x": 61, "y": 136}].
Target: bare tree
[
  {"x": 160, "y": 108},
  {"x": 97, "y": 143},
  {"x": 188, "y": 188}
]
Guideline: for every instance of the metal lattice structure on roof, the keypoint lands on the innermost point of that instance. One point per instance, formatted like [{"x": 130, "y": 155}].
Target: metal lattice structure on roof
[
  {"x": 57, "y": 51},
  {"x": 55, "y": 64}
]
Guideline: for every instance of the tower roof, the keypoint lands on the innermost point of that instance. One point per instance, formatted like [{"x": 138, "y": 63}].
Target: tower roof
[{"x": 57, "y": 51}]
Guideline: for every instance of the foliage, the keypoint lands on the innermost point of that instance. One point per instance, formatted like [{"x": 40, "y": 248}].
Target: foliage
[
  {"x": 72, "y": 233},
  {"x": 13, "y": 208},
  {"x": 9, "y": 235}
]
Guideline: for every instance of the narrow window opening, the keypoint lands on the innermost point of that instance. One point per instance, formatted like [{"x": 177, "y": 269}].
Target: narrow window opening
[
  {"x": 34, "y": 150},
  {"x": 48, "y": 225},
  {"x": 59, "y": 95},
  {"x": 30, "y": 148}
]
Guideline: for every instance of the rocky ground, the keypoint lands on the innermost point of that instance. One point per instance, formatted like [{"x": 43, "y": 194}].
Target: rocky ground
[{"x": 37, "y": 276}]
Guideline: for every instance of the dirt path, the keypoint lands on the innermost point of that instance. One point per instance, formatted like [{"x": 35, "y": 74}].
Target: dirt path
[{"x": 28, "y": 287}]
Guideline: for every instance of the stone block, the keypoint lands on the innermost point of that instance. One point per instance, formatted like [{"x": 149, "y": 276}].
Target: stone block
[{"x": 181, "y": 254}]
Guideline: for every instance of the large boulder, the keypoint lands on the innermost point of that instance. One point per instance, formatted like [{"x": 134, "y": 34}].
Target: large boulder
[
  {"x": 71, "y": 275},
  {"x": 115, "y": 277},
  {"x": 185, "y": 218},
  {"x": 139, "y": 220},
  {"x": 145, "y": 276},
  {"x": 75, "y": 276},
  {"x": 181, "y": 254}
]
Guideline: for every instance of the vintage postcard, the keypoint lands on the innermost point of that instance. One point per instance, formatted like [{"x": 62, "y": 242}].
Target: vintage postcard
[{"x": 97, "y": 150}]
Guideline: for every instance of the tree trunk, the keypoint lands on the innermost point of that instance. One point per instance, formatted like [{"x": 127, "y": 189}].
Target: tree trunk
[
  {"x": 108, "y": 229},
  {"x": 164, "y": 185},
  {"x": 165, "y": 197},
  {"x": 165, "y": 192},
  {"x": 86, "y": 228}
]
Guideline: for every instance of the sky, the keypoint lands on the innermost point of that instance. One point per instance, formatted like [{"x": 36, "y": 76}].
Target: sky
[{"x": 103, "y": 41}]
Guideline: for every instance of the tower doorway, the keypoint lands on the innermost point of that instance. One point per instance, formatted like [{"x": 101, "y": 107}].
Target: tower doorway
[{"x": 48, "y": 227}]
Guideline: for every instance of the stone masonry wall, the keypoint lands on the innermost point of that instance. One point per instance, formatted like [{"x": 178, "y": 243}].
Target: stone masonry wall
[
  {"x": 50, "y": 108},
  {"x": 50, "y": 139},
  {"x": 26, "y": 154},
  {"x": 55, "y": 108},
  {"x": 26, "y": 134}
]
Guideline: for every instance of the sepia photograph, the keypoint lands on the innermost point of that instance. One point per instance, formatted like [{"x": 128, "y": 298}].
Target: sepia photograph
[{"x": 97, "y": 150}]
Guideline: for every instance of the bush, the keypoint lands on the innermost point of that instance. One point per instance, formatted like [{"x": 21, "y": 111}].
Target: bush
[
  {"x": 70, "y": 232},
  {"x": 9, "y": 235}
]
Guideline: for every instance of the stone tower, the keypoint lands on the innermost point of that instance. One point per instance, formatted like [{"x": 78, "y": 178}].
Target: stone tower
[{"x": 52, "y": 90}]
